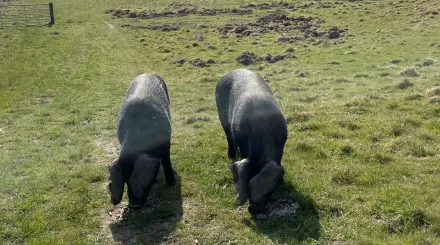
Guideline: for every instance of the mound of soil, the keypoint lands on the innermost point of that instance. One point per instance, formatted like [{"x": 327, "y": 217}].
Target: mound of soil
[
  {"x": 180, "y": 62},
  {"x": 283, "y": 5},
  {"x": 118, "y": 12},
  {"x": 334, "y": 33},
  {"x": 238, "y": 29},
  {"x": 293, "y": 29},
  {"x": 212, "y": 12},
  {"x": 405, "y": 84},
  {"x": 272, "y": 59},
  {"x": 290, "y": 39},
  {"x": 164, "y": 28},
  {"x": 278, "y": 22},
  {"x": 187, "y": 10},
  {"x": 181, "y": 5},
  {"x": 435, "y": 91},
  {"x": 409, "y": 72},
  {"x": 247, "y": 58},
  {"x": 202, "y": 63},
  {"x": 262, "y": 6}
]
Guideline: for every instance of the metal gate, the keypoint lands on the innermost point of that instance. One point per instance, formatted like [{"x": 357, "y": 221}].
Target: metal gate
[{"x": 14, "y": 15}]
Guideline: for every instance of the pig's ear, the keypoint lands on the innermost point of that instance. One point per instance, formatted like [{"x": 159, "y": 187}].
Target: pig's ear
[
  {"x": 265, "y": 181},
  {"x": 144, "y": 174},
  {"x": 116, "y": 186}
]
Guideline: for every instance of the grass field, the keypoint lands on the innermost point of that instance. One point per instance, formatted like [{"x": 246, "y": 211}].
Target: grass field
[{"x": 362, "y": 158}]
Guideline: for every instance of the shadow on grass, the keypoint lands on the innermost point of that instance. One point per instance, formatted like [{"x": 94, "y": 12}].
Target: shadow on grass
[
  {"x": 302, "y": 226},
  {"x": 153, "y": 223}
]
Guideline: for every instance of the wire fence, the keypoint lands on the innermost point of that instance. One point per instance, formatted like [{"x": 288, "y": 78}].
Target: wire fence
[{"x": 14, "y": 15}]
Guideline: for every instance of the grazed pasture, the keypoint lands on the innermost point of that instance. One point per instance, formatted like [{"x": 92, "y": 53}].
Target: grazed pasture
[{"x": 358, "y": 82}]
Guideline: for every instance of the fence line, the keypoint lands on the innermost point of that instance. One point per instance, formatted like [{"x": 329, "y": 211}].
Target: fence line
[{"x": 26, "y": 15}]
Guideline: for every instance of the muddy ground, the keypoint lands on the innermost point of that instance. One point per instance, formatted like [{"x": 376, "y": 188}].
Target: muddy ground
[
  {"x": 185, "y": 9},
  {"x": 280, "y": 208},
  {"x": 178, "y": 13},
  {"x": 164, "y": 28},
  {"x": 248, "y": 58},
  {"x": 276, "y": 20},
  {"x": 294, "y": 28}
]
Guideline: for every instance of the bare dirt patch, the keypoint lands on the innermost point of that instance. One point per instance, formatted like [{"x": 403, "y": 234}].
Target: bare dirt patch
[
  {"x": 280, "y": 208},
  {"x": 263, "y": 6},
  {"x": 164, "y": 28},
  {"x": 153, "y": 223},
  {"x": 202, "y": 63},
  {"x": 119, "y": 13},
  {"x": 185, "y": 9},
  {"x": 277, "y": 22},
  {"x": 272, "y": 59},
  {"x": 248, "y": 58},
  {"x": 108, "y": 146},
  {"x": 293, "y": 28},
  {"x": 122, "y": 211},
  {"x": 180, "y": 62}
]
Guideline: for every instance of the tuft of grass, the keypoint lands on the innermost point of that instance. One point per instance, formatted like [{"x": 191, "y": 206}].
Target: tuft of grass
[
  {"x": 395, "y": 224},
  {"x": 303, "y": 146},
  {"x": 299, "y": 117},
  {"x": 361, "y": 75},
  {"x": 385, "y": 74},
  {"x": 309, "y": 99},
  {"x": 419, "y": 150},
  {"x": 346, "y": 150},
  {"x": 344, "y": 177},
  {"x": 197, "y": 119},
  {"x": 310, "y": 126},
  {"x": 397, "y": 130},
  {"x": 381, "y": 158},
  {"x": 289, "y": 50},
  {"x": 403, "y": 223},
  {"x": 349, "y": 125}
]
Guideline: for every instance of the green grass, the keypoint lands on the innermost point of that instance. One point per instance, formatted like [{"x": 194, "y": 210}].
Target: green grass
[{"x": 362, "y": 158}]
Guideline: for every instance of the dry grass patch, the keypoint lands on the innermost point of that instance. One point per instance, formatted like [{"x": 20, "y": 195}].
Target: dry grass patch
[{"x": 409, "y": 72}]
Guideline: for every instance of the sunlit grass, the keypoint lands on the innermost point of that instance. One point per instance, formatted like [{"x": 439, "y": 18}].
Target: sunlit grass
[{"x": 361, "y": 159}]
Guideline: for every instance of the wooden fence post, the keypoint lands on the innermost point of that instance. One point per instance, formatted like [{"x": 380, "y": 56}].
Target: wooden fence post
[
  {"x": 52, "y": 17},
  {"x": 25, "y": 15}
]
